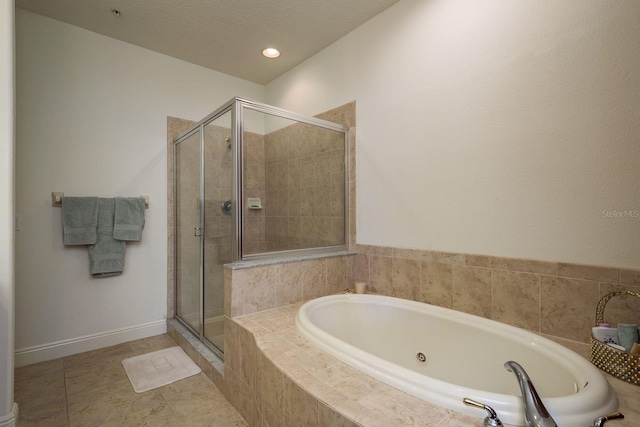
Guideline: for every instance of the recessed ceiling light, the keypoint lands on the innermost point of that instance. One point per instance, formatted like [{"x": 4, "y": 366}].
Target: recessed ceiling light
[
  {"x": 116, "y": 12},
  {"x": 271, "y": 52}
]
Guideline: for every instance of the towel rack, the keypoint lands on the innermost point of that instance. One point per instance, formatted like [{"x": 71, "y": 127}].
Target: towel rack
[{"x": 56, "y": 199}]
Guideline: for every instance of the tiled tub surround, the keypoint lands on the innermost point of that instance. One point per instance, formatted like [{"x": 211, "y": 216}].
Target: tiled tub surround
[
  {"x": 291, "y": 383},
  {"x": 276, "y": 378},
  {"x": 256, "y": 289},
  {"x": 363, "y": 399},
  {"x": 553, "y": 298},
  {"x": 261, "y": 302}
]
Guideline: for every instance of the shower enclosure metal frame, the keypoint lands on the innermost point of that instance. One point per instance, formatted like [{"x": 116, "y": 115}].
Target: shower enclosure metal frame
[{"x": 236, "y": 107}]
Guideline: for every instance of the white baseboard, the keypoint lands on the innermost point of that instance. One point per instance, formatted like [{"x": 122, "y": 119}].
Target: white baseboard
[
  {"x": 55, "y": 350},
  {"x": 10, "y": 420}
]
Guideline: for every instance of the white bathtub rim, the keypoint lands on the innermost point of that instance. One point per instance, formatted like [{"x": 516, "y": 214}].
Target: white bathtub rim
[{"x": 509, "y": 408}]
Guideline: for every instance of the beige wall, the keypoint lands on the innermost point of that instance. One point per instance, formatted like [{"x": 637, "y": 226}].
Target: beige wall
[{"x": 503, "y": 128}]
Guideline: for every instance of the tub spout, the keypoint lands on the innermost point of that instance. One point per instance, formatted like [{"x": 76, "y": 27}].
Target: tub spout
[{"x": 535, "y": 414}]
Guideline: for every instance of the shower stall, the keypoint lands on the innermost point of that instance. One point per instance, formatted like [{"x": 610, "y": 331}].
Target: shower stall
[{"x": 252, "y": 182}]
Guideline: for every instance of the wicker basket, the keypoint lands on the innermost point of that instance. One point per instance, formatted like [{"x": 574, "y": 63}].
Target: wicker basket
[{"x": 618, "y": 363}]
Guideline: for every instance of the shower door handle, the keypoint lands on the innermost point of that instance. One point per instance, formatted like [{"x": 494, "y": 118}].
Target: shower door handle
[
  {"x": 226, "y": 207},
  {"x": 197, "y": 231}
]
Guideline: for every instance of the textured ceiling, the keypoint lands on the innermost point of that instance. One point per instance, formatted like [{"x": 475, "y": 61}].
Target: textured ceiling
[{"x": 224, "y": 35}]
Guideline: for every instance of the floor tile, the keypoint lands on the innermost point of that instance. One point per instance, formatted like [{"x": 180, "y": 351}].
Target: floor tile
[
  {"x": 37, "y": 369},
  {"x": 92, "y": 389}
]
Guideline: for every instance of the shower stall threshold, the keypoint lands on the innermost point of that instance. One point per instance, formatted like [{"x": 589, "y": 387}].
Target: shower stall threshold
[{"x": 210, "y": 363}]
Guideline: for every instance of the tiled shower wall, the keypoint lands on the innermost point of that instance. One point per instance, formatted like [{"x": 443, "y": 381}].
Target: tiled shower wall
[
  {"x": 255, "y": 179},
  {"x": 254, "y": 186},
  {"x": 298, "y": 173},
  {"x": 553, "y": 298},
  {"x": 304, "y": 168}
]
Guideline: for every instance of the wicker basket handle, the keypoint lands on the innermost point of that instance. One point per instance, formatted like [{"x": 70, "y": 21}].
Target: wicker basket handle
[{"x": 605, "y": 299}]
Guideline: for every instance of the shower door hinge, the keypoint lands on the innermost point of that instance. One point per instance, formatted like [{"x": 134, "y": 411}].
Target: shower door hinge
[{"x": 197, "y": 231}]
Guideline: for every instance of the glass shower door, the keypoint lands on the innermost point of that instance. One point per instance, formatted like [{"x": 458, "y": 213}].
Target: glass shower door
[
  {"x": 204, "y": 226},
  {"x": 218, "y": 224},
  {"x": 188, "y": 231}
]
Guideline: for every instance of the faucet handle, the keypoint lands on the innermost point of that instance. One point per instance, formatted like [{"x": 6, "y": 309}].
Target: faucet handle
[
  {"x": 492, "y": 419},
  {"x": 599, "y": 422}
]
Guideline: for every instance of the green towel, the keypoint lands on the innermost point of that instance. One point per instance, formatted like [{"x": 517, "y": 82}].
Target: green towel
[
  {"x": 129, "y": 219},
  {"x": 106, "y": 257},
  {"x": 79, "y": 220},
  {"x": 627, "y": 335}
]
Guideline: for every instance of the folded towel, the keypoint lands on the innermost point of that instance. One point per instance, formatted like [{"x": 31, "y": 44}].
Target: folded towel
[
  {"x": 106, "y": 257},
  {"x": 627, "y": 335},
  {"x": 129, "y": 218},
  {"x": 79, "y": 220}
]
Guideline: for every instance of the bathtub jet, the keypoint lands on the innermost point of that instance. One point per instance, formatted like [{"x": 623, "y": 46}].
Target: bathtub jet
[{"x": 442, "y": 356}]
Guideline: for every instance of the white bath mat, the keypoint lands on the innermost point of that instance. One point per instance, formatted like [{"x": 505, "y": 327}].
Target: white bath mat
[{"x": 162, "y": 367}]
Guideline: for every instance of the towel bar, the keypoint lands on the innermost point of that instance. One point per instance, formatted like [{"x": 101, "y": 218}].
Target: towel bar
[{"x": 56, "y": 199}]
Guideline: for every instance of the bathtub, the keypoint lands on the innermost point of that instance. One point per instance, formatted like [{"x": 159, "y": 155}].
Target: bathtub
[{"x": 442, "y": 356}]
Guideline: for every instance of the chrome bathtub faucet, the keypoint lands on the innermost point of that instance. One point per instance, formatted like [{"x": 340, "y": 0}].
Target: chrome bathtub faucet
[
  {"x": 491, "y": 420},
  {"x": 599, "y": 422},
  {"x": 535, "y": 413}
]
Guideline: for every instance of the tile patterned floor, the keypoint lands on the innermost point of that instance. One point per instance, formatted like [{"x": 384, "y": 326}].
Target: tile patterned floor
[{"x": 92, "y": 389}]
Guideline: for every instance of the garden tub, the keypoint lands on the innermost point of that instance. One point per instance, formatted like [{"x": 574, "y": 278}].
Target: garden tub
[{"x": 442, "y": 356}]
